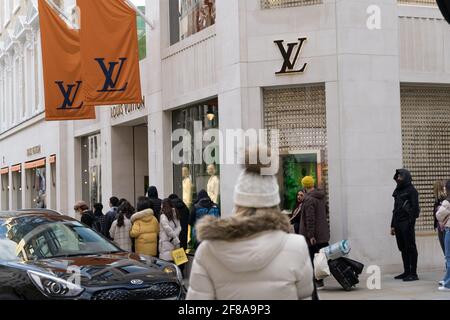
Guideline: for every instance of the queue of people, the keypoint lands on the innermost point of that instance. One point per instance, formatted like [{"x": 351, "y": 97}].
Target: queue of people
[{"x": 259, "y": 245}]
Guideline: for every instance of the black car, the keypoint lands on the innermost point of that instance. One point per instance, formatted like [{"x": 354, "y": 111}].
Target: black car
[{"x": 45, "y": 255}]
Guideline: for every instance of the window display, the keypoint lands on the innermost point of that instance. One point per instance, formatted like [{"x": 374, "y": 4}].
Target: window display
[
  {"x": 91, "y": 169},
  {"x": 191, "y": 16},
  {"x": 295, "y": 168},
  {"x": 191, "y": 177}
]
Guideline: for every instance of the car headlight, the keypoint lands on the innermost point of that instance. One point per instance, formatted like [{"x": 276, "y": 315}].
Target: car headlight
[
  {"x": 54, "y": 287},
  {"x": 174, "y": 270}
]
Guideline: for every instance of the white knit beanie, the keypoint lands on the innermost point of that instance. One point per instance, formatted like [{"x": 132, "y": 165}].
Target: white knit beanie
[{"x": 254, "y": 190}]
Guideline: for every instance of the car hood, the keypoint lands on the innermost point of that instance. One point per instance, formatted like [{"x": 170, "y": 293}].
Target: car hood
[{"x": 106, "y": 270}]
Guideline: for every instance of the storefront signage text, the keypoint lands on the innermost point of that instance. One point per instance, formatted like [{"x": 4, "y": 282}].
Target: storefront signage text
[
  {"x": 125, "y": 109},
  {"x": 34, "y": 150},
  {"x": 290, "y": 57}
]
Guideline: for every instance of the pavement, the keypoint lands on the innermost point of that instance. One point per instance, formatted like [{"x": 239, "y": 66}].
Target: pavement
[{"x": 424, "y": 289}]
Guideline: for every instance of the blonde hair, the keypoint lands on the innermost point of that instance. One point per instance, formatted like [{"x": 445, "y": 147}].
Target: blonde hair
[{"x": 439, "y": 191}]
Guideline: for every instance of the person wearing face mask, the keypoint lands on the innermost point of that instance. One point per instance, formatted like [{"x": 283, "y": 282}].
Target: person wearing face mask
[{"x": 405, "y": 213}]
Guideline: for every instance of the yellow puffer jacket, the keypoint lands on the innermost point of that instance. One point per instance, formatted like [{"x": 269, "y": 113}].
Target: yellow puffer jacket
[{"x": 145, "y": 231}]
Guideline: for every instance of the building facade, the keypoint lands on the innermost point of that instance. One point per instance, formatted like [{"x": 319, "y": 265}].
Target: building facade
[{"x": 357, "y": 89}]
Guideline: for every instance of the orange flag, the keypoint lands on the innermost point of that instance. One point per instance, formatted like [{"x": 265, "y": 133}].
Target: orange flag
[
  {"x": 109, "y": 53},
  {"x": 61, "y": 60}
]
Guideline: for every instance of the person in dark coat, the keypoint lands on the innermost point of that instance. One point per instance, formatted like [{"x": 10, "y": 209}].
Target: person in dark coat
[
  {"x": 110, "y": 216},
  {"x": 152, "y": 194},
  {"x": 405, "y": 213},
  {"x": 87, "y": 216},
  {"x": 183, "y": 212},
  {"x": 98, "y": 213},
  {"x": 202, "y": 207},
  {"x": 313, "y": 220},
  {"x": 295, "y": 219}
]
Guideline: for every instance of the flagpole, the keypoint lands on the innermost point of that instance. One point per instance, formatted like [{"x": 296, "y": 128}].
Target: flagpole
[
  {"x": 73, "y": 25},
  {"x": 139, "y": 12}
]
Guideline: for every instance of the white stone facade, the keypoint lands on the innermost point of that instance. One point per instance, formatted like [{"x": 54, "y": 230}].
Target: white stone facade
[{"x": 234, "y": 60}]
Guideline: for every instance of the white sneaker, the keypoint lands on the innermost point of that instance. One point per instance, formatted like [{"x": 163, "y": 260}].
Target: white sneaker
[
  {"x": 444, "y": 289},
  {"x": 441, "y": 283}
]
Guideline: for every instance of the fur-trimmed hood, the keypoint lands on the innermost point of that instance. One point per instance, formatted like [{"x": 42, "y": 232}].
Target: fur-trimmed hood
[
  {"x": 245, "y": 243},
  {"x": 239, "y": 227},
  {"x": 145, "y": 215}
]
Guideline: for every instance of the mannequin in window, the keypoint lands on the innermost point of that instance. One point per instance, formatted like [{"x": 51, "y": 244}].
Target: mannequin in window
[
  {"x": 187, "y": 187},
  {"x": 213, "y": 184}
]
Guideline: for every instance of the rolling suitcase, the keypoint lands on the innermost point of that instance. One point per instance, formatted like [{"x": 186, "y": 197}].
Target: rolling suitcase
[{"x": 344, "y": 273}]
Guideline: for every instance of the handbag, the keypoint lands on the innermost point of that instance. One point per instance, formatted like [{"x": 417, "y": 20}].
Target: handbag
[
  {"x": 179, "y": 257},
  {"x": 321, "y": 268}
]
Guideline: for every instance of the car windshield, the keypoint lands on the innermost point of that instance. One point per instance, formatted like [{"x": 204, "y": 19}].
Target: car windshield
[{"x": 35, "y": 237}]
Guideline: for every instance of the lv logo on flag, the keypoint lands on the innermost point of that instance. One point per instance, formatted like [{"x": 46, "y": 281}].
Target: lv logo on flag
[
  {"x": 61, "y": 61},
  {"x": 69, "y": 98},
  {"x": 110, "y": 84}
]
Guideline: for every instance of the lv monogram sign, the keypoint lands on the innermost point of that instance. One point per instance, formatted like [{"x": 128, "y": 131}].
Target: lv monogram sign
[{"x": 290, "y": 56}]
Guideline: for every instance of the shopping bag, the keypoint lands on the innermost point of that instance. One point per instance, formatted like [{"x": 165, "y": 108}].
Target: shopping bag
[
  {"x": 321, "y": 268},
  {"x": 179, "y": 257}
]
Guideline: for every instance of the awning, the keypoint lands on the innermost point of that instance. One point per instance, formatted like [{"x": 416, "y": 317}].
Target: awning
[
  {"x": 52, "y": 159},
  {"x": 16, "y": 168},
  {"x": 4, "y": 170},
  {"x": 35, "y": 164}
]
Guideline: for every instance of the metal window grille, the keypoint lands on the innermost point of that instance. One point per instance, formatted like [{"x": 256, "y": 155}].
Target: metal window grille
[
  {"x": 299, "y": 115},
  {"x": 418, "y": 2},
  {"x": 274, "y": 4},
  {"x": 426, "y": 142}
]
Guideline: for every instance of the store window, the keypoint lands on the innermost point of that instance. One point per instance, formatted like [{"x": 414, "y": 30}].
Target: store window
[
  {"x": 426, "y": 143},
  {"x": 299, "y": 116},
  {"x": 36, "y": 184},
  {"x": 142, "y": 34},
  {"x": 91, "y": 169},
  {"x": 4, "y": 177},
  {"x": 190, "y": 177},
  {"x": 188, "y": 17}
]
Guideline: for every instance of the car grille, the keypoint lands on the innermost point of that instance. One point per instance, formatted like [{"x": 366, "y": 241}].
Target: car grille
[{"x": 154, "y": 292}]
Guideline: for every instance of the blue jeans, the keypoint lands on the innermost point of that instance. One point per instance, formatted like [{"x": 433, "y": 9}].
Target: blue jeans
[{"x": 447, "y": 257}]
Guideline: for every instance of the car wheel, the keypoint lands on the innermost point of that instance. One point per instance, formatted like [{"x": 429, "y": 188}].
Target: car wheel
[{"x": 9, "y": 296}]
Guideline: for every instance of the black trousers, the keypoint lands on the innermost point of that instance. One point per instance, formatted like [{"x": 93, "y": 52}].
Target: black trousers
[
  {"x": 312, "y": 251},
  {"x": 315, "y": 249},
  {"x": 405, "y": 232}
]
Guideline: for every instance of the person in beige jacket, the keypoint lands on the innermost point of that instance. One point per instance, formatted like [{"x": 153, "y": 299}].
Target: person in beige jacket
[{"x": 251, "y": 255}]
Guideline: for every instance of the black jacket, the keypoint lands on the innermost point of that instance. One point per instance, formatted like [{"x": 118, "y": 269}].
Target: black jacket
[
  {"x": 156, "y": 201},
  {"x": 184, "y": 221},
  {"x": 88, "y": 218},
  {"x": 110, "y": 217},
  {"x": 406, "y": 200}
]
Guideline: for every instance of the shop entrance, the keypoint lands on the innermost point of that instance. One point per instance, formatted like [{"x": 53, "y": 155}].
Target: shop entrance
[
  {"x": 4, "y": 177},
  {"x": 130, "y": 160},
  {"x": 36, "y": 184}
]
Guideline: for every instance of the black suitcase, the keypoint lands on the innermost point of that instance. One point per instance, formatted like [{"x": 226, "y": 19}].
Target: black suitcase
[
  {"x": 358, "y": 267},
  {"x": 344, "y": 273}
]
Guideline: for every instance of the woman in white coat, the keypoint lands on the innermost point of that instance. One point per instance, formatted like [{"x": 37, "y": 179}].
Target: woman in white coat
[
  {"x": 169, "y": 231},
  {"x": 251, "y": 256}
]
